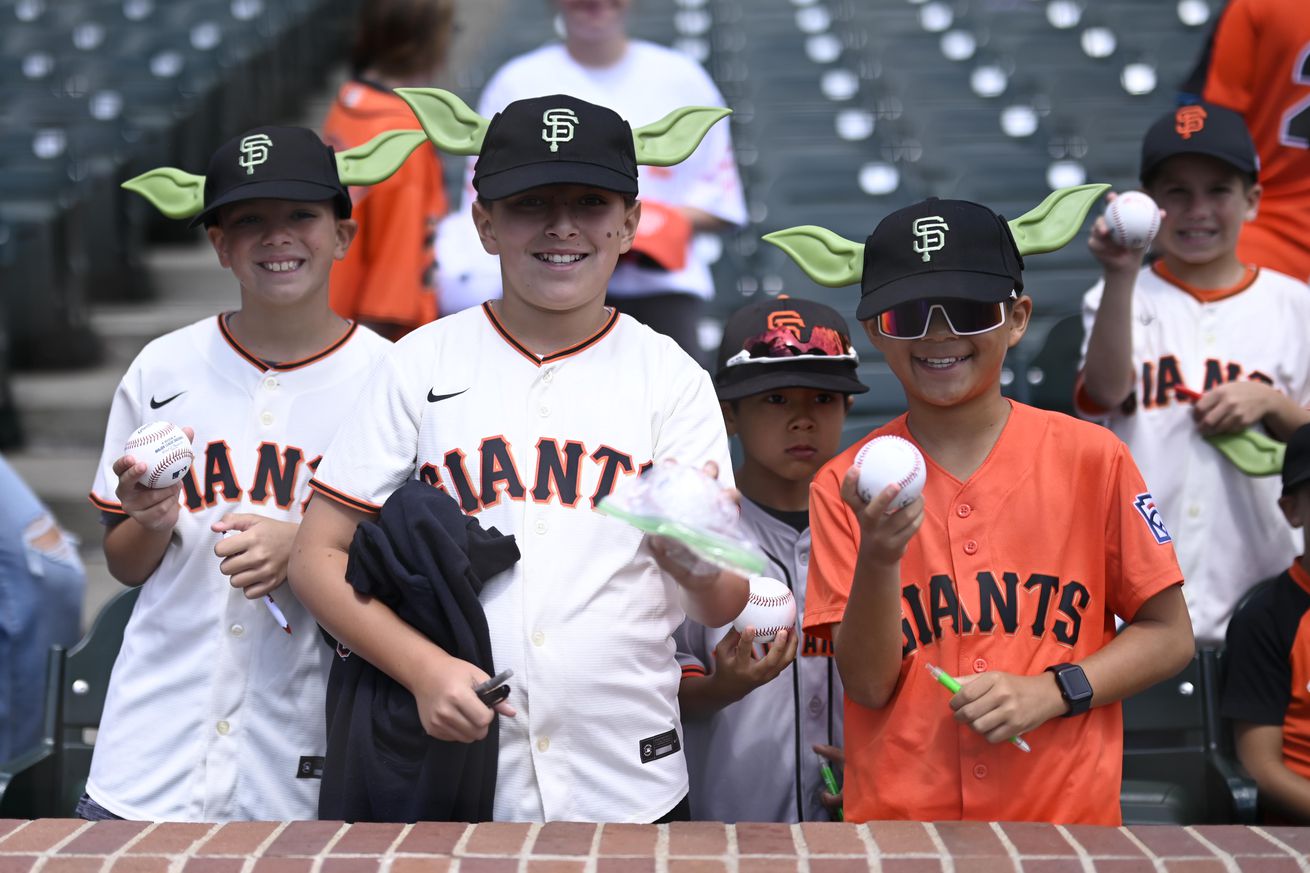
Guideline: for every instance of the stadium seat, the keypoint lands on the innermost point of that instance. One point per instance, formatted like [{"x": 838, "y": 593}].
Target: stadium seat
[{"x": 48, "y": 780}]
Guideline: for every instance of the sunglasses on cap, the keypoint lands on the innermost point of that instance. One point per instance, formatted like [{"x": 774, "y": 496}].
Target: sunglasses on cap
[
  {"x": 909, "y": 321},
  {"x": 781, "y": 345}
]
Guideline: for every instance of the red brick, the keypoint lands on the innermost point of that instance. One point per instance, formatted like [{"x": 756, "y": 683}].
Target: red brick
[
  {"x": 555, "y": 865},
  {"x": 1167, "y": 841},
  {"x": 901, "y": 838},
  {"x": 367, "y": 838},
  {"x": 488, "y": 865},
  {"x": 421, "y": 865},
  {"x": 840, "y": 865},
  {"x": 1284, "y": 864},
  {"x": 628, "y": 839},
  {"x": 283, "y": 865},
  {"x": 302, "y": 838},
  {"x": 1124, "y": 865},
  {"x": 169, "y": 838},
  {"x": 432, "y": 838},
  {"x": 497, "y": 838},
  {"x": 987, "y": 863},
  {"x": 1102, "y": 842},
  {"x": 9, "y": 824},
  {"x": 103, "y": 837},
  {"x": 1194, "y": 865},
  {"x": 73, "y": 864},
  {"x": 911, "y": 865},
  {"x": 1297, "y": 838},
  {"x": 831, "y": 838},
  {"x": 765, "y": 839},
  {"x": 141, "y": 864},
  {"x": 697, "y": 838},
  {"x": 40, "y": 835},
  {"x": 17, "y": 863},
  {"x": 625, "y": 865},
  {"x": 350, "y": 865},
  {"x": 214, "y": 865},
  {"x": 1033, "y": 838},
  {"x": 238, "y": 838},
  {"x": 697, "y": 865},
  {"x": 970, "y": 838},
  {"x": 1238, "y": 840},
  {"x": 564, "y": 838},
  {"x": 756, "y": 864},
  {"x": 1052, "y": 865}
]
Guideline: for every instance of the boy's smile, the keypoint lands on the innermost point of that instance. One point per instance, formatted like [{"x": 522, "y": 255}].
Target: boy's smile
[{"x": 1206, "y": 201}]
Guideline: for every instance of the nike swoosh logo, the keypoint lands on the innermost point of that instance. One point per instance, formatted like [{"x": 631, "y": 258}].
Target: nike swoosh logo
[
  {"x": 433, "y": 398},
  {"x": 155, "y": 404}
]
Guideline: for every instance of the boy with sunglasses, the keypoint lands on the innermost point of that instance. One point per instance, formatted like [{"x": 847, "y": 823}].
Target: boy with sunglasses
[
  {"x": 1034, "y": 530},
  {"x": 785, "y": 376}
]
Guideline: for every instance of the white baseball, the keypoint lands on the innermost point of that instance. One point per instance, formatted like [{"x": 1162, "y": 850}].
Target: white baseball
[
  {"x": 769, "y": 609},
  {"x": 1133, "y": 219},
  {"x": 887, "y": 459},
  {"x": 165, "y": 450}
]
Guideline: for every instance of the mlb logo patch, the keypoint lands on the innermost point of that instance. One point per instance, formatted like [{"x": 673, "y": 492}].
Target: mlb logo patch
[{"x": 1145, "y": 506}]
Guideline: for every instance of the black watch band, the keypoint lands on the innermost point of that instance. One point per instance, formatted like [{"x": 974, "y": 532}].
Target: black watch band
[{"x": 1074, "y": 687}]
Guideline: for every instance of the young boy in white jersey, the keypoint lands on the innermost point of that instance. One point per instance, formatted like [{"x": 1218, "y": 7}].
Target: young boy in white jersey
[
  {"x": 785, "y": 375},
  {"x": 215, "y": 709},
  {"x": 528, "y": 411},
  {"x": 1196, "y": 344}
]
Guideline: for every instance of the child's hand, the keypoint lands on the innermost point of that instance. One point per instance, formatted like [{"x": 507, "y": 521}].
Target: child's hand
[
  {"x": 737, "y": 673},
  {"x": 1003, "y": 705},
  {"x": 883, "y": 537},
  {"x": 155, "y": 509},
  {"x": 255, "y": 552},
  {"x": 1233, "y": 406},
  {"x": 829, "y": 801},
  {"x": 1114, "y": 258},
  {"x": 447, "y": 704}
]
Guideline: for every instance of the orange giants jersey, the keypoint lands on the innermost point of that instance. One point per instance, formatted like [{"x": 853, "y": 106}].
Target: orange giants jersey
[
  {"x": 389, "y": 274},
  {"x": 1023, "y": 566},
  {"x": 1259, "y": 65}
]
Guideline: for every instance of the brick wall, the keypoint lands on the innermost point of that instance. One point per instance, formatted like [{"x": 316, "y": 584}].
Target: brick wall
[{"x": 69, "y": 846}]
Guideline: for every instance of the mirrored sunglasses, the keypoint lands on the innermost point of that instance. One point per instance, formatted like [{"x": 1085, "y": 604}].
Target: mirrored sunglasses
[
  {"x": 910, "y": 321},
  {"x": 781, "y": 345}
]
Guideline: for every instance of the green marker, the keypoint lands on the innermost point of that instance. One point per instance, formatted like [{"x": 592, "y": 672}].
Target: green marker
[
  {"x": 830, "y": 782},
  {"x": 947, "y": 681}
]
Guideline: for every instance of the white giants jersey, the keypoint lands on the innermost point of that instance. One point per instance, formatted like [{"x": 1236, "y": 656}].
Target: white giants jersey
[
  {"x": 530, "y": 445},
  {"x": 1227, "y": 528},
  {"x": 214, "y": 713}
]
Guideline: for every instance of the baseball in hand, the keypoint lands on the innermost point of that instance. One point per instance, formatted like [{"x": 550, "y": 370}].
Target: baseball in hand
[
  {"x": 887, "y": 459},
  {"x": 1133, "y": 219},
  {"x": 165, "y": 450},
  {"x": 769, "y": 609}
]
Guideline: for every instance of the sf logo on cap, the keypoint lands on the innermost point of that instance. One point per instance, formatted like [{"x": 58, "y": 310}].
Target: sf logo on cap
[
  {"x": 1189, "y": 120},
  {"x": 930, "y": 230},
  {"x": 559, "y": 124},
  {"x": 788, "y": 320},
  {"x": 254, "y": 151}
]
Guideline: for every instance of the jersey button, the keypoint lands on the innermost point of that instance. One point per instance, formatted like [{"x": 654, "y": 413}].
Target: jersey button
[
  {"x": 271, "y": 383},
  {"x": 538, "y": 639},
  {"x": 544, "y": 411},
  {"x": 816, "y": 706},
  {"x": 963, "y": 510},
  {"x": 1194, "y": 510},
  {"x": 237, "y": 630},
  {"x": 266, "y": 418},
  {"x": 970, "y": 547},
  {"x": 980, "y": 771},
  {"x": 541, "y": 527},
  {"x": 548, "y": 376},
  {"x": 979, "y": 665},
  {"x": 804, "y": 556},
  {"x": 223, "y": 728},
  {"x": 543, "y": 744}
]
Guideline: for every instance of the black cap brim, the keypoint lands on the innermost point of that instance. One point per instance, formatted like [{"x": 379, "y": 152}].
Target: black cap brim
[
  {"x": 277, "y": 189},
  {"x": 516, "y": 180},
  {"x": 758, "y": 378},
  {"x": 951, "y": 284}
]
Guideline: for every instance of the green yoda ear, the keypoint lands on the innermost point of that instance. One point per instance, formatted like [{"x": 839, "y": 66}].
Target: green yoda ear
[
  {"x": 173, "y": 192},
  {"x": 449, "y": 122},
  {"x": 1056, "y": 219},
  {"x": 673, "y": 138},
  {"x": 1251, "y": 451},
  {"x": 827, "y": 258},
  {"x": 378, "y": 158}
]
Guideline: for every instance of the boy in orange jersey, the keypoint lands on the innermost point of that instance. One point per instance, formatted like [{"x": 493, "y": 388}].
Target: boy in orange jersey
[{"x": 1033, "y": 532}]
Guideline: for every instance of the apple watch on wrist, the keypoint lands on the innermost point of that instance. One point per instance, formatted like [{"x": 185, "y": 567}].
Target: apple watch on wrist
[{"x": 1074, "y": 687}]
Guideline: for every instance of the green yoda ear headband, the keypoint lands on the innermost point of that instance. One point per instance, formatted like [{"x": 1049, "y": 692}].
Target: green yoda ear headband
[
  {"x": 179, "y": 194},
  {"x": 834, "y": 261},
  {"x": 456, "y": 129}
]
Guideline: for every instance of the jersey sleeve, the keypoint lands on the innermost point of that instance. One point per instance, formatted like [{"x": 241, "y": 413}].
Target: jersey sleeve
[
  {"x": 1083, "y": 404},
  {"x": 1139, "y": 550},
  {"x": 691, "y": 650},
  {"x": 1258, "y": 685},
  {"x": 1231, "y": 78},
  {"x": 124, "y": 417},
  {"x": 374, "y": 450},
  {"x": 834, "y": 542},
  {"x": 692, "y": 432}
]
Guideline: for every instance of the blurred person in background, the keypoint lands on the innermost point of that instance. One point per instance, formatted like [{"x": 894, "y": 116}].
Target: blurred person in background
[{"x": 388, "y": 279}]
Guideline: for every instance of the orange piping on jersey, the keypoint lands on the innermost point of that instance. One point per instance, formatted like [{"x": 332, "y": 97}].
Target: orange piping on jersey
[
  {"x": 1083, "y": 402},
  {"x": 693, "y": 670},
  {"x": 343, "y": 498},
  {"x": 1300, "y": 575},
  {"x": 1207, "y": 295},
  {"x": 106, "y": 506},
  {"x": 553, "y": 356},
  {"x": 264, "y": 366}
]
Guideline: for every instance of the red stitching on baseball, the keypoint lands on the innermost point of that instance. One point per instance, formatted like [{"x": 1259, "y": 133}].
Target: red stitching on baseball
[
  {"x": 167, "y": 461},
  {"x": 772, "y": 600}
]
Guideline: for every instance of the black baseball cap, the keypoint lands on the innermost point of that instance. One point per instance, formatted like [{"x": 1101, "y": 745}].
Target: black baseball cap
[
  {"x": 939, "y": 248},
  {"x": 785, "y": 342},
  {"x": 556, "y": 140},
  {"x": 279, "y": 163},
  {"x": 1296, "y": 460},
  {"x": 1200, "y": 129}
]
